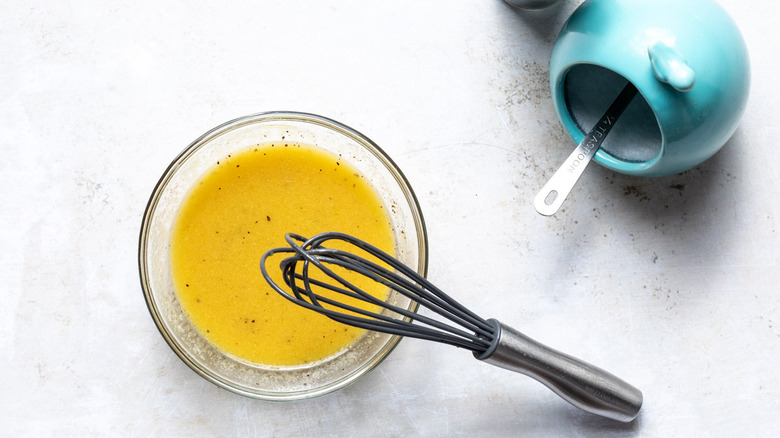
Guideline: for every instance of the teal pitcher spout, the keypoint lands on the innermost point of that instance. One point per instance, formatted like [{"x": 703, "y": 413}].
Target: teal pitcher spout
[{"x": 670, "y": 67}]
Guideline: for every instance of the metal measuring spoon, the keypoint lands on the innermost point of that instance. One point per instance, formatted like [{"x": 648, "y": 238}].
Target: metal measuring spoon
[{"x": 552, "y": 195}]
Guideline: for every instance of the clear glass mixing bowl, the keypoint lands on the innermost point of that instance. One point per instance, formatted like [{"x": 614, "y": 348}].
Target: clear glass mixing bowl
[{"x": 231, "y": 373}]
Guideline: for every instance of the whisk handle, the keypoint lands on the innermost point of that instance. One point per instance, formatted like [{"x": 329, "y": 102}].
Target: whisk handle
[{"x": 585, "y": 386}]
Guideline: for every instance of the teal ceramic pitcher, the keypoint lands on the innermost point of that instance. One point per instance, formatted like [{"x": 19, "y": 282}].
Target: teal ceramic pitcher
[{"x": 689, "y": 62}]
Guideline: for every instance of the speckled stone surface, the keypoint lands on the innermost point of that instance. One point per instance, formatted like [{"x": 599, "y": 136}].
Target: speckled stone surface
[{"x": 670, "y": 283}]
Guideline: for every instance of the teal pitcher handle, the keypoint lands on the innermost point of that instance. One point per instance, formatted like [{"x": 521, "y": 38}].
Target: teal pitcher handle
[{"x": 670, "y": 67}]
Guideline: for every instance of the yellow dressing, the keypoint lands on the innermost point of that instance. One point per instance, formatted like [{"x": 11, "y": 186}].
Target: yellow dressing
[{"x": 239, "y": 210}]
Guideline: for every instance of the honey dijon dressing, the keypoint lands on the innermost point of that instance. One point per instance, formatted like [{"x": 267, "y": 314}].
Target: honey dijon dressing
[{"x": 242, "y": 208}]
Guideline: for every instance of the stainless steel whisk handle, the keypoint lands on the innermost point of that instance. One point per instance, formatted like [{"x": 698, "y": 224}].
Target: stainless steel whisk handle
[{"x": 585, "y": 386}]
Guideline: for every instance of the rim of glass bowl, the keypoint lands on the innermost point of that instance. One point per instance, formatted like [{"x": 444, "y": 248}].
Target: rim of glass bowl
[{"x": 173, "y": 167}]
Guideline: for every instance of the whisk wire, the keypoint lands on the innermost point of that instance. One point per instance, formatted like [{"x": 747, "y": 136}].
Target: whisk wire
[
  {"x": 389, "y": 322},
  {"x": 434, "y": 298},
  {"x": 397, "y": 282},
  {"x": 477, "y": 336},
  {"x": 422, "y": 290},
  {"x": 412, "y": 285}
]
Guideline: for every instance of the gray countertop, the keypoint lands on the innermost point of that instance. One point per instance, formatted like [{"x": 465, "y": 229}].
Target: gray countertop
[{"x": 670, "y": 283}]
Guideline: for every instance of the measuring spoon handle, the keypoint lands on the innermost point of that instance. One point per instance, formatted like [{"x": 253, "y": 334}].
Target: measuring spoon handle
[{"x": 549, "y": 200}]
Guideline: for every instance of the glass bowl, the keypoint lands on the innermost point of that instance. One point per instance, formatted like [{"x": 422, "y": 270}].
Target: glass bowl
[{"x": 231, "y": 373}]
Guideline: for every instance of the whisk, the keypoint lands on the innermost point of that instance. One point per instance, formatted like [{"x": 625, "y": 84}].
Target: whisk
[{"x": 581, "y": 384}]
